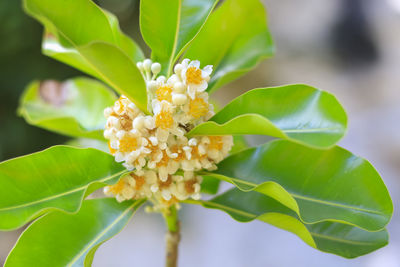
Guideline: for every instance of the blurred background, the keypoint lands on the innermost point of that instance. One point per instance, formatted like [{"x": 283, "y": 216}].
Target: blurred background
[{"x": 349, "y": 48}]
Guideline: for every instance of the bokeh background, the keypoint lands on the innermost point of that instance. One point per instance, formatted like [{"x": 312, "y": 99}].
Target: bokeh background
[{"x": 348, "y": 47}]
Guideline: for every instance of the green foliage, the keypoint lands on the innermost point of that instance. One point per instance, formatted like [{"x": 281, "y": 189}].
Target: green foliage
[
  {"x": 239, "y": 143},
  {"x": 73, "y": 108},
  {"x": 169, "y": 26},
  {"x": 210, "y": 185},
  {"x": 299, "y": 113},
  {"x": 56, "y": 178},
  {"x": 118, "y": 70},
  {"x": 89, "y": 143},
  {"x": 95, "y": 45},
  {"x": 74, "y": 25},
  {"x": 233, "y": 40},
  {"x": 340, "y": 239},
  {"x": 59, "y": 239},
  {"x": 319, "y": 185}
]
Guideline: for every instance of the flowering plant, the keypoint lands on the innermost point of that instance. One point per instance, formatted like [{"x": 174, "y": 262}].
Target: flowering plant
[{"x": 166, "y": 144}]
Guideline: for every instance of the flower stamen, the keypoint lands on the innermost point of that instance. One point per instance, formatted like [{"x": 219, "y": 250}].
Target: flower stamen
[
  {"x": 164, "y": 93},
  {"x": 128, "y": 144},
  {"x": 164, "y": 120},
  {"x": 198, "y": 108},
  {"x": 193, "y": 75}
]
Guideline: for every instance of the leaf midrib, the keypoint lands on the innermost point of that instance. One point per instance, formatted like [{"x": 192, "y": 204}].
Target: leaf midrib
[
  {"x": 60, "y": 195},
  {"x": 237, "y": 211},
  {"x": 311, "y": 199},
  {"x": 178, "y": 23},
  {"x": 263, "y": 117},
  {"x": 96, "y": 69},
  {"x": 351, "y": 242},
  {"x": 254, "y": 216},
  {"x": 311, "y": 130},
  {"x": 102, "y": 233}
]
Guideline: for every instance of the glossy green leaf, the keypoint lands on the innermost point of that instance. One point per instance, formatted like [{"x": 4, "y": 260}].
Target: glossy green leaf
[
  {"x": 55, "y": 178},
  {"x": 210, "y": 185},
  {"x": 319, "y": 185},
  {"x": 299, "y": 113},
  {"x": 169, "y": 26},
  {"x": 89, "y": 143},
  {"x": 234, "y": 40},
  {"x": 239, "y": 144},
  {"x": 340, "y": 239},
  {"x": 96, "y": 46},
  {"x": 60, "y": 239},
  {"x": 117, "y": 70},
  {"x": 69, "y": 21},
  {"x": 74, "y": 107},
  {"x": 66, "y": 53}
]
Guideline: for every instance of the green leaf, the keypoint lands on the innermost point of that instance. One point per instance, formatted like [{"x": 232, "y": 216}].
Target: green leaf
[
  {"x": 319, "y": 185},
  {"x": 346, "y": 240},
  {"x": 66, "y": 53},
  {"x": 60, "y": 239},
  {"x": 55, "y": 178},
  {"x": 74, "y": 107},
  {"x": 239, "y": 144},
  {"x": 117, "y": 70},
  {"x": 56, "y": 46},
  {"x": 80, "y": 22},
  {"x": 89, "y": 143},
  {"x": 299, "y": 113},
  {"x": 210, "y": 185},
  {"x": 169, "y": 26},
  {"x": 96, "y": 46},
  {"x": 234, "y": 40},
  {"x": 340, "y": 239}
]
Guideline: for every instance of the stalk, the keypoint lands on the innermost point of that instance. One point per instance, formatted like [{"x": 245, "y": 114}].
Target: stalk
[{"x": 172, "y": 237}]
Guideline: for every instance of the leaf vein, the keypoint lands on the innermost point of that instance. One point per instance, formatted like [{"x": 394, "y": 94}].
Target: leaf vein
[
  {"x": 102, "y": 233},
  {"x": 314, "y": 199},
  {"x": 351, "y": 242},
  {"x": 60, "y": 195}
]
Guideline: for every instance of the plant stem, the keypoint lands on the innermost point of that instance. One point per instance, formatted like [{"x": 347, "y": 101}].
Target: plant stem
[{"x": 173, "y": 236}]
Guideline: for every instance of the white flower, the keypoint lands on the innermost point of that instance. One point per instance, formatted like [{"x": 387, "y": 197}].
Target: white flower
[
  {"x": 195, "y": 78},
  {"x": 154, "y": 147}
]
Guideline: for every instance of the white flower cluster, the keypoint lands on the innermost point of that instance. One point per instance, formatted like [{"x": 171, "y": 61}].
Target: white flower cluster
[{"x": 154, "y": 147}]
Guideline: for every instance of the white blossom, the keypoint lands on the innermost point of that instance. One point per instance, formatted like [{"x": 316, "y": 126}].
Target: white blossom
[{"x": 163, "y": 162}]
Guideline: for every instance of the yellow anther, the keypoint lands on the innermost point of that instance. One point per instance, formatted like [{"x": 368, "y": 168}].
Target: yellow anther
[
  {"x": 112, "y": 150},
  {"x": 196, "y": 153},
  {"x": 128, "y": 144},
  {"x": 170, "y": 202},
  {"x": 193, "y": 75},
  {"x": 178, "y": 150},
  {"x": 164, "y": 160},
  {"x": 189, "y": 186},
  {"x": 140, "y": 181},
  {"x": 216, "y": 142},
  {"x": 126, "y": 122},
  {"x": 164, "y": 120},
  {"x": 120, "y": 105},
  {"x": 165, "y": 184},
  {"x": 198, "y": 107},
  {"x": 118, "y": 187},
  {"x": 164, "y": 93}
]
